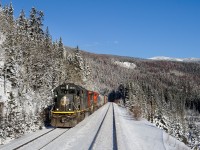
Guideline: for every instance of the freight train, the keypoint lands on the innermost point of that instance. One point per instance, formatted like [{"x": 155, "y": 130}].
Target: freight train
[{"x": 72, "y": 103}]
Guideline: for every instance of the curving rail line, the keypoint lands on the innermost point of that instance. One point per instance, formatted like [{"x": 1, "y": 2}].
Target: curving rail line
[{"x": 106, "y": 127}]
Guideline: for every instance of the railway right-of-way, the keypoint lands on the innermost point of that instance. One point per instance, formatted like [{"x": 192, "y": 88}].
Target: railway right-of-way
[
  {"x": 110, "y": 127},
  {"x": 36, "y": 140}
]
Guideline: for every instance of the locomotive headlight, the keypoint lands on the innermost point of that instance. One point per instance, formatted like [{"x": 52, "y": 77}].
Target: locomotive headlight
[
  {"x": 56, "y": 95},
  {"x": 57, "y": 109},
  {"x": 69, "y": 109},
  {"x": 64, "y": 101}
]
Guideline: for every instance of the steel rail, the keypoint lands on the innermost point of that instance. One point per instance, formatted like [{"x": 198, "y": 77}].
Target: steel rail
[
  {"x": 53, "y": 139},
  {"x": 115, "y": 147},
  {"x": 33, "y": 139},
  {"x": 95, "y": 137}
]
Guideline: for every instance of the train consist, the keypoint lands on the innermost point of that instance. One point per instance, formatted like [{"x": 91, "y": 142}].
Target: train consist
[{"x": 72, "y": 103}]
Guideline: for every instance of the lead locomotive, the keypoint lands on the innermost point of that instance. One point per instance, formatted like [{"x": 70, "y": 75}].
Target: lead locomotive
[{"x": 72, "y": 103}]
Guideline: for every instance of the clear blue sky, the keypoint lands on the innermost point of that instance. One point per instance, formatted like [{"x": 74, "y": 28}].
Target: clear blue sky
[{"x": 137, "y": 28}]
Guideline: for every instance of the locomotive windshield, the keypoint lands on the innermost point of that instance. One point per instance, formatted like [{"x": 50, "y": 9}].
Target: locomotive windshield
[
  {"x": 72, "y": 91},
  {"x": 66, "y": 103},
  {"x": 69, "y": 91}
]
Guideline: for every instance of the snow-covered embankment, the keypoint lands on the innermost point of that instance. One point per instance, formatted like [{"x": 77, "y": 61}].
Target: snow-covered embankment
[{"x": 142, "y": 135}]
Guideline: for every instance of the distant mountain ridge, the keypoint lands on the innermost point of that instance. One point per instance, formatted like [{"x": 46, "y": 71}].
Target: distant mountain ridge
[{"x": 175, "y": 59}]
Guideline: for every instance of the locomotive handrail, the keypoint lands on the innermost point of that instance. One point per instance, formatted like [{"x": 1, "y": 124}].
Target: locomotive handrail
[{"x": 75, "y": 106}]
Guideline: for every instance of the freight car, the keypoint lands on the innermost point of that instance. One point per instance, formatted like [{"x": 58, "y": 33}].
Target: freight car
[{"x": 72, "y": 103}]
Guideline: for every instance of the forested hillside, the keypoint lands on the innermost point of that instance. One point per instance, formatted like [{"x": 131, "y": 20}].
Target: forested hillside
[
  {"x": 31, "y": 66},
  {"x": 164, "y": 92}
]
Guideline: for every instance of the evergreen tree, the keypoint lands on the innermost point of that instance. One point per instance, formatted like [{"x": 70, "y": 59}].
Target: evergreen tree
[
  {"x": 32, "y": 22},
  {"x": 35, "y": 24},
  {"x": 10, "y": 13},
  {"x": 40, "y": 19},
  {"x": 22, "y": 23},
  {"x": 60, "y": 49}
]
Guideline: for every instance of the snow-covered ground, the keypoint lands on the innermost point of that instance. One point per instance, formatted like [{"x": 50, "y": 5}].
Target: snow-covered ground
[
  {"x": 3, "y": 94},
  {"x": 142, "y": 135},
  {"x": 126, "y": 64},
  {"x": 26, "y": 138},
  {"x": 8, "y": 87},
  {"x": 2, "y": 38},
  {"x": 131, "y": 134}
]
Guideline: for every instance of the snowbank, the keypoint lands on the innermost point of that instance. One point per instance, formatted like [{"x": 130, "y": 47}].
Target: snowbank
[
  {"x": 126, "y": 64},
  {"x": 2, "y": 38},
  {"x": 4, "y": 95},
  {"x": 142, "y": 135}
]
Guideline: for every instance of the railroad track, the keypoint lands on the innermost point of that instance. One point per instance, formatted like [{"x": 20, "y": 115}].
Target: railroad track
[
  {"x": 37, "y": 142},
  {"x": 115, "y": 147},
  {"x": 98, "y": 139},
  {"x": 44, "y": 140},
  {"x": 18, "y": 147},
  {"x": 54, "y": 139},
  {"x": 102, "y": 136}
]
